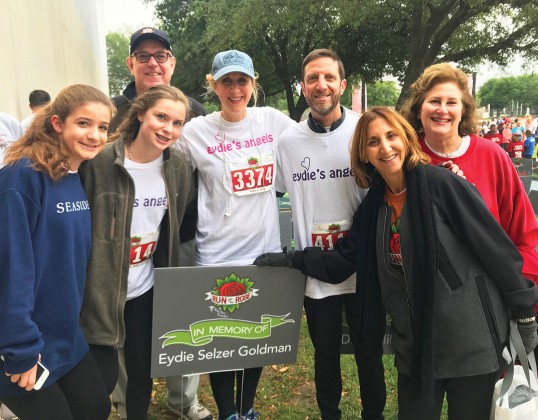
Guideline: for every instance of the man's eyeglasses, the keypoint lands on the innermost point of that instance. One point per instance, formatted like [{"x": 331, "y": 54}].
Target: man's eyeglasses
[{"x": 144, "y": 57}]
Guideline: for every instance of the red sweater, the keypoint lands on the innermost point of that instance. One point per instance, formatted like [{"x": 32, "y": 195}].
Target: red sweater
[
  {"x": 497, "y": 137},
  {"x": 489, "y": 168}
]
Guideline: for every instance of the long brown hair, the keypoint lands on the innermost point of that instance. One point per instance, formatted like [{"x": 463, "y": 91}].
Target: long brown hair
[
  {"x": 363, "y": 171},
  {"x": 130, "y": 126},
  {"x": 41, "y": 143}
]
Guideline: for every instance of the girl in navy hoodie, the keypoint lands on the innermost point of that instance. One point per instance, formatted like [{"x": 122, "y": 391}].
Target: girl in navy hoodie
[{"x": 45, "y": 233}]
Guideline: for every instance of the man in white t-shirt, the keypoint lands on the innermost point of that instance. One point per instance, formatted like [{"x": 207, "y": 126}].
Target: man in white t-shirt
[
  {"x": 314, "y": 168},
  {"x": 10, "y": 130}
]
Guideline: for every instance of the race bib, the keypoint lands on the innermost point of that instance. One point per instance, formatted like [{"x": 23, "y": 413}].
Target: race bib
[
  {"x": 252, "y": 175},
  {"x": 325, "y": 235},
  {"x": 142, "y": 247}
]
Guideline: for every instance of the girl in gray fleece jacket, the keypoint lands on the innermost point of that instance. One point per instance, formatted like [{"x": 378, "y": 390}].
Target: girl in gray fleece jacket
[{"x": 138, "y": 189}]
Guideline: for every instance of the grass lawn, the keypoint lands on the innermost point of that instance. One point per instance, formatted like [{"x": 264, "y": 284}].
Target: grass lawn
[{"x": 287, "y": 392}]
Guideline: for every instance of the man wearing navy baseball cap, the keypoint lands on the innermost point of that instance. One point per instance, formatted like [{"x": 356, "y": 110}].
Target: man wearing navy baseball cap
[
  {"x": 151, "y": 63},
  {"x": 149, "y": 33}
]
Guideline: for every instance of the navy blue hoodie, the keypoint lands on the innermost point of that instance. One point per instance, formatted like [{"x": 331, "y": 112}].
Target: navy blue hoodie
[{"x": 45, "y": 243}]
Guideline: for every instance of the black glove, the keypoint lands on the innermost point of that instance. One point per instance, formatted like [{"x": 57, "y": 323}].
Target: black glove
[
  {"x": 274, "y": 259},
  {"x": 528, "y": 335}
]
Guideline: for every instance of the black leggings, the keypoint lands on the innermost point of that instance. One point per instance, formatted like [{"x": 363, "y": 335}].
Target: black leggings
[
  {"x": 138, "y": 315},
  {"x": 324, "y": 318},
  {"x": 78, "y": 395},
  {"x": 222, "y": 384},
  {"x": 469, "y": 398}
]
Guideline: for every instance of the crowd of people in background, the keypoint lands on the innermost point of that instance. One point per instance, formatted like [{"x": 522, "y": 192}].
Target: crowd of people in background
[
  {"x": 517, "y": 138},
  {"x": 157, "y": 147}
]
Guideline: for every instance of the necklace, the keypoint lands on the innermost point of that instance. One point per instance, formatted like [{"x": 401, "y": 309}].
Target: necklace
[
  {"x": 227, "y": 173},
  {"x": 129, "y": 153}
]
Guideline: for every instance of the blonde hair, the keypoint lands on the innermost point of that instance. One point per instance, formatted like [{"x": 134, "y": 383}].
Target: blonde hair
[
  {"x": 434, "y": 75},
  {"x": 363, "y": 171},
  {"x": 41, "y": 143},
  {"x": 211, "y": 83},
  {"x": 130, "y": 126}
]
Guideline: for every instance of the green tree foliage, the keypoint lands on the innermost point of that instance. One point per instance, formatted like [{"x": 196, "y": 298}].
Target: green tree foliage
[
  {"x": 277, "y": 34},
  {"x": 117, "y": 49},
  {"x": 380, "y": 93},
  {"x": 466, "y": 32},
  {"x": 504, "y": 92},
  {"x": 383, "y": 93},
  {"x": 373, "y": 37}
]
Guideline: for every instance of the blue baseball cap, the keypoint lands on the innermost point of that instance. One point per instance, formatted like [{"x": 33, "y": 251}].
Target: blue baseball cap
[{"x": 232, "y": 60}]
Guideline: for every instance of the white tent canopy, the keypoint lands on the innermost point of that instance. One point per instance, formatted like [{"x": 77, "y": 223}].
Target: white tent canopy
[{"x": 49, "y": 44}]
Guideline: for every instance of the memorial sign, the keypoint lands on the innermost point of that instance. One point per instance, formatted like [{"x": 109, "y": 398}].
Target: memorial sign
[{"x": 208, "y": 319}]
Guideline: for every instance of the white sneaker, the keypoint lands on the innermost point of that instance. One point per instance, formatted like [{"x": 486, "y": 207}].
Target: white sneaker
[
  {"x": 194, "y": 412},
  {"x": 6, "y": 414}
]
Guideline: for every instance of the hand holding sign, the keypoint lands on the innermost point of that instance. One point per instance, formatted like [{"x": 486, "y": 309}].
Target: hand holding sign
[{"x": 275, "y": 259}]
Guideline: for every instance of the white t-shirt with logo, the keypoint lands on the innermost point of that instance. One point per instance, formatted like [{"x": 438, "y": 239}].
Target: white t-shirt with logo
[
  {"x": 237, "y": 204},
  {"x": 150, "y": 204},
  {"x": 315, "y": 170}
]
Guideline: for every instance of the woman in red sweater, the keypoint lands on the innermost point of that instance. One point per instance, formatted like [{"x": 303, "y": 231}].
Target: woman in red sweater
[{"x": 442, "y": 111}]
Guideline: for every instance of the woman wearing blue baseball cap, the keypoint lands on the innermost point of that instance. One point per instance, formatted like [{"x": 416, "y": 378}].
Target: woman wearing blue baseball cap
[{"x": 237, "y": 212}]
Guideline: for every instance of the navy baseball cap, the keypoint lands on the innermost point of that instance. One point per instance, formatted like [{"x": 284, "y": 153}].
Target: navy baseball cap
[
  {"x": 232, "y": 60},
  {"x": 149, "y": 33}
]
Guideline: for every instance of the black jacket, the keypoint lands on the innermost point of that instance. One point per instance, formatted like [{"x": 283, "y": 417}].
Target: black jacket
[
  {"x": 477, "y": 280},
  {"x": 123, "y": 104}
]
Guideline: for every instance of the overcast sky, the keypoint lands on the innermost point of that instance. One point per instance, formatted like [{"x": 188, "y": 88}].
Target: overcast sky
[{"x": 127, "y": 15}]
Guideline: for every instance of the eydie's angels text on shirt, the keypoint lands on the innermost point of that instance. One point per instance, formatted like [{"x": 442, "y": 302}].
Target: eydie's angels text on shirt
[
  {"x": 309, "y": 174},
  {"x": 226, "y": 144}
]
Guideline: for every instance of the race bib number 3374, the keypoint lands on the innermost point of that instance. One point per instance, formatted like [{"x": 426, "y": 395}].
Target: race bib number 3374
[{"x": 254, "y": 175}]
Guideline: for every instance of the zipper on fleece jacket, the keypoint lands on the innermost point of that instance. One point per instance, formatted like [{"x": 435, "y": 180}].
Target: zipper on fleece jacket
[
  {"x": 113, "y": 221},
  {"x": 129, "y": 180},
  {"x": 389, "y": 269}
]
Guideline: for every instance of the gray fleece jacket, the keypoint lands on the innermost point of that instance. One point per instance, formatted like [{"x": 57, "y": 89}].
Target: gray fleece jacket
[{"x": 110, "y": 191}]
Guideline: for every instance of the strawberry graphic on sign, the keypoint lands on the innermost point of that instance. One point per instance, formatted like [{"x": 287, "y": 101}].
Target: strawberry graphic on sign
[{"x": 252, "y": 161}]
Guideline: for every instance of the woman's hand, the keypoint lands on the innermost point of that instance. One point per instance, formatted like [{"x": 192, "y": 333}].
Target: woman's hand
[
  {"x": 453, "y": 167},
  {"x": 528, "y": 334},
  {"x": 26, "y": 379}
]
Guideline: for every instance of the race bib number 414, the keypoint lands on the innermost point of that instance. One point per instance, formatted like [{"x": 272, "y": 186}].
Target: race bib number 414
[
  {"x": 325, "y": 235},
  {"x": 252, "y": 175}
]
